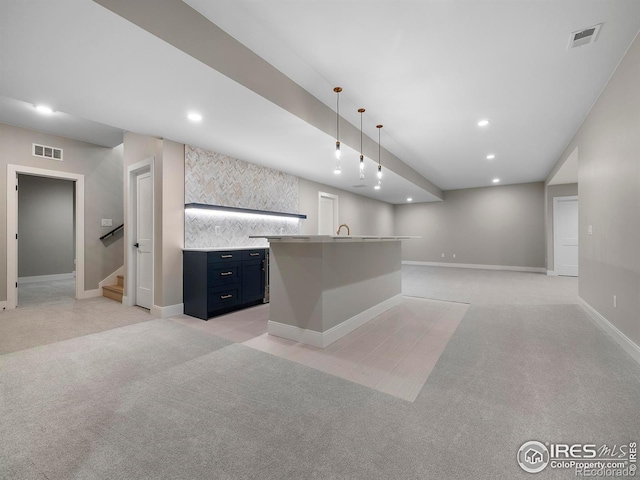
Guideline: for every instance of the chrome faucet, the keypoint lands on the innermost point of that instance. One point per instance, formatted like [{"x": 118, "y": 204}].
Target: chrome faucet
[{"x": 344, "y": 225}]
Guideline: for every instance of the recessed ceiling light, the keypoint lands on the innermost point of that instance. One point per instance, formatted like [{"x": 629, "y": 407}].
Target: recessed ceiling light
[
  {"x": 377, "y": 187},
  {"x": 44, "y": 109},
  {"x": 194, "y": 117},
  {"x": 483, "y": 123},
  {"x": 491, "y": 156},
  {"x": 496, "y": 180},
  {"x": 409, "y": 199}
]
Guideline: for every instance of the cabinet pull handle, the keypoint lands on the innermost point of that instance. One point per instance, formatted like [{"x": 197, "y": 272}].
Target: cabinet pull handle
[
  {"x": 254, "y": 254},
  {"x": 223, "y": 297},
  {"x": 226, "y": 256},
  {"x": 225, "y": 273}
]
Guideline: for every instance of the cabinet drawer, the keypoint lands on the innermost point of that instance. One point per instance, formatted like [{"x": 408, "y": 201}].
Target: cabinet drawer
[
  {"x": 222, "y": 297},
  {"x": 257, "y": 254},
  {"x": 223, "y": 273},
  {"x": 224, "y": 256}
]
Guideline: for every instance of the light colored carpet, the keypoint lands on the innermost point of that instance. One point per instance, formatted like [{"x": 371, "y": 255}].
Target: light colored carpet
[
  {"x": 488, "y": 287},
  {"x": 47, "y": 293},
  {"x": 45, "y": 323},
  {"x": 162, "y": 400}
]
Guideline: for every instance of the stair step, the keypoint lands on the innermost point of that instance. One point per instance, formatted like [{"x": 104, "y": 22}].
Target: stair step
[
  {"x": 121, "y": 280},
  {"x": 114, "y": 292}
]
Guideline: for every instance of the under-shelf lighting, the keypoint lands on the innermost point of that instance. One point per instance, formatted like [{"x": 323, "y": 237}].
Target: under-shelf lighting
[{"x": 206, "y": 209}]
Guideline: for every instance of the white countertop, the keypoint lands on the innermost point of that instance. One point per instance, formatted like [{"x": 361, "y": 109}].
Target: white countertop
[
  {"x": 331, "y": 238},
  {"x": 224, "y": 249}
]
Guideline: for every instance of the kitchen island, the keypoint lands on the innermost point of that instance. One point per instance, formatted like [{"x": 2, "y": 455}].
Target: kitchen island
[{"x": 322, "y": 287}]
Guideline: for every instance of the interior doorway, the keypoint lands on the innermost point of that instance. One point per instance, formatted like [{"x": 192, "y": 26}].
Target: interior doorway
[
  {"x": 13, "y": 229},
  {"x": 139, "y": 227},
  {"x": 46, "y": 240},
  {"x": 565, "y": 236},
  {"x": 327, "y": 213}
]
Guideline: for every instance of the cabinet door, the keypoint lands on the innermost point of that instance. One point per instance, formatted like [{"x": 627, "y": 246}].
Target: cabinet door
[{"x": 252, "y": 281}]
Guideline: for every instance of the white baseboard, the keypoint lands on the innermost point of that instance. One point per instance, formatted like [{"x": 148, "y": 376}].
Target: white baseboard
[
  {"x": 47, "y": 278},
  {"x": 112, "y": 279},
  {"x": 165, "y": 312},
  {"x": 91, "y": 293},
  {"x": 621, "y": 339},
  {"x": 324, "y": 339},
  {"x": 476, "y": 266},
  {"x": 551, "y": 273},
  {"x": 3, "y": 305}
]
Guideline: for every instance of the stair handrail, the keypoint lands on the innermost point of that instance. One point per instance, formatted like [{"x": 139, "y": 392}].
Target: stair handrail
[{"x": 112, "y": 232}]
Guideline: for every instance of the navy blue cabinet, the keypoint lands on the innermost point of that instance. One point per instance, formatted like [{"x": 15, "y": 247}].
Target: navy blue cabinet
[{"x": 218, "y": 282}]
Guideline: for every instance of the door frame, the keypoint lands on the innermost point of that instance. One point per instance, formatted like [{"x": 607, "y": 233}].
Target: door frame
[
  {"x": 322, "y": 195},
  {"x": 133, "y": 171},
  {"x": 556, "y": 200},
  {"x": 12, "y": 227}
]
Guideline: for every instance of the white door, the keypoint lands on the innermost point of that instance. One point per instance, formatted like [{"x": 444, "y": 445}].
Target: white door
[
  {"x": 565, "y": 228},
  {"x": 144, "y": 235},
  {"x": 327, "y": 214}
]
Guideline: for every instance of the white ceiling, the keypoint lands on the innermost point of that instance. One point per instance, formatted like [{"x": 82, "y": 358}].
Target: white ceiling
[{"x": 427, "y": 70}]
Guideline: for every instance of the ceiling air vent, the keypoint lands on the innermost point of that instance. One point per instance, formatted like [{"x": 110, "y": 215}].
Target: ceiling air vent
[
  {"x": 584, "y": 37},
  {"x": 47, "y": 152}
]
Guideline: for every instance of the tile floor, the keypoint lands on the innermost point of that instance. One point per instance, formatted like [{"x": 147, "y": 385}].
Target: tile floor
[{"x": 393, "y": 353}]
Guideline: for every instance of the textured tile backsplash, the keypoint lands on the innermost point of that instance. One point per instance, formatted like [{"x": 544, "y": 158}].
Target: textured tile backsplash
[{"x": 216, "y": 179}]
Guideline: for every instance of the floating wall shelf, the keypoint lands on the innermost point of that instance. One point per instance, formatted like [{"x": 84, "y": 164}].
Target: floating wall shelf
[{"x": 206, "y": 206}]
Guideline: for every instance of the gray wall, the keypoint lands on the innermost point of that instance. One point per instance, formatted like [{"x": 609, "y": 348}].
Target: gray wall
[
  {"x": 168, "y": 212},
  {"x": 502, "y": 225},
  {"x": 365, "y": 216},
  {"x": 45, "y": 226},
  {"x": 609, "y": 177},
  {"x": 102, "y": 168},
  {"x": 552, "y": 191}
]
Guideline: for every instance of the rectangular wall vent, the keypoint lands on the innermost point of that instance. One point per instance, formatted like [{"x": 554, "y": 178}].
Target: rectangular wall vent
[
  {"x": 584, "y": 37},
  {"x": 47, "y": 152}
]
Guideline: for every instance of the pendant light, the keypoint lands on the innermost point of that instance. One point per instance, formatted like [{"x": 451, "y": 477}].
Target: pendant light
[
  {"x": 361, "y": 111},
  {"x": 337, "y": 169},
  {"x": 377, "y": 187}
]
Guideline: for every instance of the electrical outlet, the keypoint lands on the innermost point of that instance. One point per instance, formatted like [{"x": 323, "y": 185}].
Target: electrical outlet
[
  {"x": 107, "y": 222},
  {"x": 443, "y": 255},
  {"x": 217, "y": 229},
  {"x": 615, "y": 301}
]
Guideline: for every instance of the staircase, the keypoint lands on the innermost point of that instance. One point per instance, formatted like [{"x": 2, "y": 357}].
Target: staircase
[{"x": 114, "y": 292}]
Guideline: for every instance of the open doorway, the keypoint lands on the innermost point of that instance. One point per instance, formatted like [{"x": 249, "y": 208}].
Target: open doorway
[
  {"x": 77, "y": 180},
  {"x": 46, "y": 240}
]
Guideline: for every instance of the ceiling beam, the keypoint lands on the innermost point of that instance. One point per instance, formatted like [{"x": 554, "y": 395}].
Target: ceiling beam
[{"x": 176, "y": 23}]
